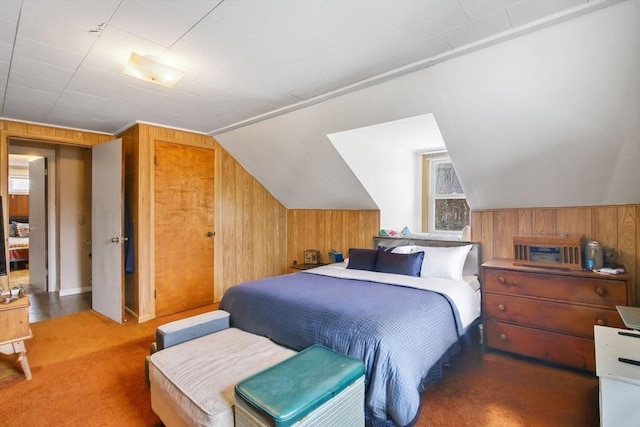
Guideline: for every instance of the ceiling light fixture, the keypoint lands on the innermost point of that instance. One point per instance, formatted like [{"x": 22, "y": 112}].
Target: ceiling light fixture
[{"x": 151, "y": 69}]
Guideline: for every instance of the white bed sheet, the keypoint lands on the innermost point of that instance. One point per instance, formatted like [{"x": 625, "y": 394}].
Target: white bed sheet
[{"x": 18, "y": 243}]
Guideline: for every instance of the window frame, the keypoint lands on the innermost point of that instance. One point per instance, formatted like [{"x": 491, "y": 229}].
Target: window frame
[
  {"x": 17, "y": 184},
  {"x": 433, "y": 160}
]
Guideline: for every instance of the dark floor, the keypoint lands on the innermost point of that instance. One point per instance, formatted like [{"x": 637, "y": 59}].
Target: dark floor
[{"x": 48, "y": 305}]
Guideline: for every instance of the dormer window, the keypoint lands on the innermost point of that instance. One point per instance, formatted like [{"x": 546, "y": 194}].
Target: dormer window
[{"x": 447, "y": 207}]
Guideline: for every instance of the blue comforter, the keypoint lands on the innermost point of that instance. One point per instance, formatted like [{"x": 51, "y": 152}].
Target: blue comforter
[{"x": 399, "y": 333}]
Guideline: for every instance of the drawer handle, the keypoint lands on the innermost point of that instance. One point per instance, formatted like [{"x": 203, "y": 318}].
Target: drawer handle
[
  {"x": 600, "y": 322},
  {"x": 504, "y": 337},
  {"x": 501, "y": 307},
  {"x": 629, "y": 334},
  {"x": 601, "y": 291},
  {"x": 629, "y": 361},
  {"x": 502, "y": 280}
]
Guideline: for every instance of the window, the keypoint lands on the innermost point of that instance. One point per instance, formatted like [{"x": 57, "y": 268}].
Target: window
[
  {"x": 448, "y": 210},
  {"x": 18, "y": 185}
]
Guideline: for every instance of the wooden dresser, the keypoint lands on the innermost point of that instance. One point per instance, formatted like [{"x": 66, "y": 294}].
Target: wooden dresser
[{"x": 549, "y": 314}]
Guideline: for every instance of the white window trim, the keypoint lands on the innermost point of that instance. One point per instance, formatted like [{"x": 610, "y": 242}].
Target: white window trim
[
  {"x": 434, "y": 160},
  {"x": 17, "y": 185}
]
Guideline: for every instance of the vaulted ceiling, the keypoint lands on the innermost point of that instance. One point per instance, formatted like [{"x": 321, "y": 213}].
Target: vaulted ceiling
[
  {"x": 537, "y": 101},
  {"x": 61, "y": 61}
]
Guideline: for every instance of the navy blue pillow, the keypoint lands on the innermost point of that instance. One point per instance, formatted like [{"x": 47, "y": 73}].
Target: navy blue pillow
[
  {"x": 407, "y": 264},
  {"x": 362, "y": 259}
]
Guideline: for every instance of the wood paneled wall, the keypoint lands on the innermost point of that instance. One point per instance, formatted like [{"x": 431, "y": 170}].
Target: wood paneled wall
[
  {"x": 617, "y": 227},
  {"x": 329, "y": 229},
  {"x": 18, "y": 205},
  {"x": 250, "y": 224}
]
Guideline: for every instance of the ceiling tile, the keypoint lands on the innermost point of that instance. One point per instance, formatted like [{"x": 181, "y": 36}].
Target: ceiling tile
[
  {"x": 64, "y": 24},
  {"x": 31, "y": 94},
  {"x": 22, "y": 80},
  {"x": 529, "y": 11},
  {"x": 422, "y": 49},
  {"x": 477, "y": 30},
  {"x": 47, "y": 53},
  {"x": 26, "y": 109},
  {"x": 475, "y": 9},
  {"x": 30, "y": 67},
  {"x": 6, "y": 51},
  {"x": 7, "y": 30},
  {"x": 81, "y": 100},
  {"x": 182, "y": 15}
]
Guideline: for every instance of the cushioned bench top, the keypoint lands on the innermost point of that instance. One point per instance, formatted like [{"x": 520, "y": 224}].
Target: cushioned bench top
[
  {"x": 293, "y": 388},
  {"x": 197, "y": 378}
]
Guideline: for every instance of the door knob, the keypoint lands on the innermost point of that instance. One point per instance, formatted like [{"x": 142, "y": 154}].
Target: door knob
[
  {"x": 119, "y": 239},
  {"x": 211, "y": 234}
]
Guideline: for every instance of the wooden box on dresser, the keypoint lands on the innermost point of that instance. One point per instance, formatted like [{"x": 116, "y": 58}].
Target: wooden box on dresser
[{"x": 549, "y": 314}]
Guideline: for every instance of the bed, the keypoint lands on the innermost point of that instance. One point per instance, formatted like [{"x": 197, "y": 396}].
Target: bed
[
  {"x": 18, "y": 241},
  {"x": 404, "y": 327}
]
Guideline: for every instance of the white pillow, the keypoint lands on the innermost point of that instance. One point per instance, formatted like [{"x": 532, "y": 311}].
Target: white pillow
[
  {"x": 404, "y": 249},
  {"x": 446, "y": 262}
]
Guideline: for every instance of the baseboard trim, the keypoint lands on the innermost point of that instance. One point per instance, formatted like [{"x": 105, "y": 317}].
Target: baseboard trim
[{"x": 74, "y": 291}]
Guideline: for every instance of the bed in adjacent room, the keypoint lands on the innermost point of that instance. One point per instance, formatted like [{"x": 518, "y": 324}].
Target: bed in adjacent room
[
  {"x": 402, "y": 310},
  {"x": 18, "y": 246}
]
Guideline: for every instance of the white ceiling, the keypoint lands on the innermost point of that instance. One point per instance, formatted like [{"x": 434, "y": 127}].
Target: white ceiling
[{"x": 61, "y": 61}]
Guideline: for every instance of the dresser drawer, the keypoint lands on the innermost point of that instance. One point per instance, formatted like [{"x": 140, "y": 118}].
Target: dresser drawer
[
  {"x": 550, "y": 346},
  {"x": 587, "y": 290},
  {"x": 617, "y": 353},
  {"x": 559, "y": 317},
  {"x": 14, "y": 321}
]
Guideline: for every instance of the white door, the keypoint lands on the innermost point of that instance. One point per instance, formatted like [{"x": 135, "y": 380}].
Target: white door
[
  {"x": 107, "y": 212},
  {"x": 37, "y": 224}
]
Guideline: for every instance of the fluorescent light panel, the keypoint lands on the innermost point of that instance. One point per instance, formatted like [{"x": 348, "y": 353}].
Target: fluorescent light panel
[{"x": 151, "y": 69}]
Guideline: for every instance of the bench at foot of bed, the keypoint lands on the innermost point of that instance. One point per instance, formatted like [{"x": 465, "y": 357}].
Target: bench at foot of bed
[{"x": 197, "y": 362}]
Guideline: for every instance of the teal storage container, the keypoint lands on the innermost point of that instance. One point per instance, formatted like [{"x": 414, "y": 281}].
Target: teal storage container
[{"x": 316, "y": 387}]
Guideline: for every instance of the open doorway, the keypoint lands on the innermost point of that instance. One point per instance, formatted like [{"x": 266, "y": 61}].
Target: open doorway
[{"x": 55, "y": 269}]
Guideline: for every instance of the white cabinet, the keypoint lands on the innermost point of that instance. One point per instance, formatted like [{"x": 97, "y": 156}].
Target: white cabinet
[{"x": 618, "y": 368}]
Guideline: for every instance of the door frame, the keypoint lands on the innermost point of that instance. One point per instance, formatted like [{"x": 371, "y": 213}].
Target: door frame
[{"x": 50, "y": 205}]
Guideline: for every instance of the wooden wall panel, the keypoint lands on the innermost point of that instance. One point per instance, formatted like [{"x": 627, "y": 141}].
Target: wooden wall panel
[
  {"x": 505, "y": 226},
  {"x": 131, "y": 161},
  {"x": 617, "y": 227},
  {"x": 525, "y": 222},
  {"x": 18, "y": 205},
  {"x": 604, "y": 223},
  {"x": 250, "y": 227},
  {"x": 50, "y": 134},
  {"x": 543, "y": 221},
  {"x": 573, "y": 221},
  {"x": 329, "y": 229},
  {"x": 628, "y": 249}
]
